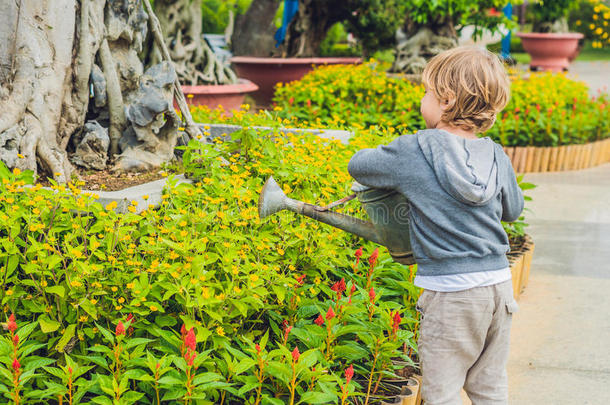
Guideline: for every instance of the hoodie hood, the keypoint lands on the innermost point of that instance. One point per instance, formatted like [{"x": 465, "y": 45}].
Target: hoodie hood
[{"x": 465, "y": 168}]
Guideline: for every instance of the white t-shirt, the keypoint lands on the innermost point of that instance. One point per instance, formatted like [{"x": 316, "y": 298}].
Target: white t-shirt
[{"x": 464, "y": 281}]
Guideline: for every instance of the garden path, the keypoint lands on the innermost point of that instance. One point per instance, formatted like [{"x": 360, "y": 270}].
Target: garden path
[
  {"x": 595, "y": 73},
  {"x": 560, "y": 351}
]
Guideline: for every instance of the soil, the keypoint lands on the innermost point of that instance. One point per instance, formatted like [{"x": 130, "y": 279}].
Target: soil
[{"x": 107, "y": 181}]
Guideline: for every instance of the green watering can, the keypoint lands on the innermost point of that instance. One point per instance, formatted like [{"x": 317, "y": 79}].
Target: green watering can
[{"x": 387, "y": 209}]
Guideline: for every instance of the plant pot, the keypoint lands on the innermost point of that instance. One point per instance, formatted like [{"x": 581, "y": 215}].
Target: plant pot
[
  {"x": 267, "y": 72},
  {"x": 229, "y": 96},
  {"x": 550, "y": 51}
]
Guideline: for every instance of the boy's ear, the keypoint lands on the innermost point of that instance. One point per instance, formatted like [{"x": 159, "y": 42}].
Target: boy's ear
[{"x": 447, "y": 103}]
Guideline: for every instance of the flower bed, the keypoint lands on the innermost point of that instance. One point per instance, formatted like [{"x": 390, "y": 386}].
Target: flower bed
[
  {"x": 545, "y": 110},
  {"x": 198, "y": 300}
]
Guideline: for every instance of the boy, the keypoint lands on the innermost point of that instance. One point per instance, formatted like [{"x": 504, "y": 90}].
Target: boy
[{"x": 459, "y": 187}]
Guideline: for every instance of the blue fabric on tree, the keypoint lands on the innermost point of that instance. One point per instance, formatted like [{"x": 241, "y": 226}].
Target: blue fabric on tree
[{"x": 290, "y": 9}]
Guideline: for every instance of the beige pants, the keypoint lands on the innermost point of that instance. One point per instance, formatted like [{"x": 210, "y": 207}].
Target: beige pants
[{"x": 463, "y": 343}]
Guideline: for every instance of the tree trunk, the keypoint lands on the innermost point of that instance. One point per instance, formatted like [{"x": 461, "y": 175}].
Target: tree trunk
[
  {"x": 310, "y": 25},
  {"x": 418, "y": 43},
  {"x": 253, "y": 33},
  {"x": 73, "y": 88},
  {"x": 194, "y": 61}
]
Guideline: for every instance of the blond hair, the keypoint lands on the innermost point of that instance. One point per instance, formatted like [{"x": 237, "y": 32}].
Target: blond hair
[{"x": 474, "y": 83}]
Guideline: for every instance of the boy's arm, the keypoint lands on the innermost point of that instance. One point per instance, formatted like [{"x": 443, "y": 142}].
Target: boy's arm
[
  {"x": 377, "y": 167},
  {"x": 512, "y": 197}
]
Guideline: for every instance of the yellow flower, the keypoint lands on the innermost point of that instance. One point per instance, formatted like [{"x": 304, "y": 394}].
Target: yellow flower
[
  {"x": 220, "y": 331},
  {"x": 114, "y": 289},
  {"x": 132, "y": 208},
  {"x": 9, "y": 292},
  {"x": 75, "y": 283},
  {"x": 93, "y": 301},
  {"x": 44, "y": 283},
  {"x": 153, "y": 308},
  {"x": 83, "y": 318},
  {"x": 237, "y": 289},
  {"x": 111, "y": 205},
  {"x": 280, "y": 251},
  {"x": 121, "y": 300},
  {"x": 20, "y": 156},
  {"x": 118, "y": 307},
  {"x": 254, "y": 277},
  {"x": 16, "y": 171}
]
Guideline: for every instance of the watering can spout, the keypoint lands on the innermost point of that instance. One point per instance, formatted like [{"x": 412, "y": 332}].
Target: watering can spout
[
  {"x": 381, "y": 206},
  {"x": 272, "y": 199}
]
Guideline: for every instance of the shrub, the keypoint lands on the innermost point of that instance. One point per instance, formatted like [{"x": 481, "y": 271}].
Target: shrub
[{"x": 544, "y": 110}]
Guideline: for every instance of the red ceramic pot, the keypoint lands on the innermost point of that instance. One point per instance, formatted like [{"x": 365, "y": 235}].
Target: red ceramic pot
[
  {"x": 550, "y": 51},
  {"x": 230, "y": 96},
  {"x": 267, "y": 72}
]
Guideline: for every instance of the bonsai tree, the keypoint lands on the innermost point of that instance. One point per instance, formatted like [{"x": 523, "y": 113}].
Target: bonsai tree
[
  {"x": 195, "y": 63},
  {"x": 373, "y": 22},
  {"x": 431, "y": 27},
  {"x": 551, "y": 15}
]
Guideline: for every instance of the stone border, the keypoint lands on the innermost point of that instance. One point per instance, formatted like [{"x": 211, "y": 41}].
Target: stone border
[{"x": 529, "y": 159}]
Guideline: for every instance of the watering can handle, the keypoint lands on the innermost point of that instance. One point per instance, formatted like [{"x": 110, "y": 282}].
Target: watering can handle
[{"x": 336, "y": 203}]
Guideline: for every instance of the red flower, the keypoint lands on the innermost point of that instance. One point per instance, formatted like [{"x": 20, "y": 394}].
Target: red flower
[
  {"x": 396, "y": 319},
  {"x": 11, "y": 325},
  {"x": 339, "y": 287},
  {"x": 373, "y": 258},
  {"x": 16, "y": 365},
  {"x": 190, "y": 357},
  {"x": 372, "y": 295},
  {"x": 258, "y": 348},
  {"x": 353, "y": 289},
  {"x": 291, "y": 100},
  {"x": 16, "y": 340},
  {"x": 330, "y": 314},
  {"x": 130, "y": 317},
  {"x": 183, "y": 331},
  {"x": 300, "y": 279},
  {"x": 538, "y": 107},
  {"x": 308, "y": 103},
  {"x": 349, "y": 373},
  {"x": 359, "y": 253},
  {"x": 190, "y": 341},
  {"x": 296, "y": 354},
  {"x": 517, "y": 110},
  {"x": 287, "y": 330},
  {"x": 319, "y": 320},
  {"x": 69, "y": 370},
  {"x": 120, "y": 329}
]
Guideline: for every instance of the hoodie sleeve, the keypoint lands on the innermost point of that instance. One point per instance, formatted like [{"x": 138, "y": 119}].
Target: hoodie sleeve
[
  {"x": 512, "y": 196},
  {"x": 377, "y": 167}
]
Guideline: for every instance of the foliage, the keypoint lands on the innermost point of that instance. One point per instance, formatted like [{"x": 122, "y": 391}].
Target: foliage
[
  {"x": 374, "y": 22},
  {"x": 100, "y": 297},
  {"x": 592, "y": 18},
  {"x": 548, "y": 12},
  {"x": 357, "y": 97},
  {"x": 216, "y": 13},
  {"x": 460, "y": 13},
  {"x": 545, "y": 109}
]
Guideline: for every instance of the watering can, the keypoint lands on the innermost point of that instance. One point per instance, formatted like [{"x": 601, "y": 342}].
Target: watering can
[{"x": 387, "y": 209}]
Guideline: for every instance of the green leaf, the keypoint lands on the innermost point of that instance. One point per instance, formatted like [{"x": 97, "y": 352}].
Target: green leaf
[
  {"x": 68, "y": 334},
  {"x": 311, "y": 397},
  {"x": 89, "y": 308},
  {"x": 56, "y": 289},
  {"x": 47, "y": 325}
]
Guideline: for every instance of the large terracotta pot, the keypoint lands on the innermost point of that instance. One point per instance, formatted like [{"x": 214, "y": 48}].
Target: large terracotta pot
[
  {"x": 550, "y": 51},
  {"x": 267, "y": 72},
  {"x": 230, "y": 96}
]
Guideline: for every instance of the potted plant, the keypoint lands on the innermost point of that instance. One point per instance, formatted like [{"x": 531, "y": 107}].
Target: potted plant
[
  {"x": 205, "y": 79},
  {"x": 551, "y": 45},
  {"x": 267, "y": 58}
]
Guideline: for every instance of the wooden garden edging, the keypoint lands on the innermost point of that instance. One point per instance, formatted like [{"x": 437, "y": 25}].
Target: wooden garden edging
[
  {"x": 527, "y": 159},
  {"x": 520, "y": 264}
]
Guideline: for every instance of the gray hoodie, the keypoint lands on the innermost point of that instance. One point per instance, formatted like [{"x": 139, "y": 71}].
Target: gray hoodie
[{"x": 459, "y": 190}]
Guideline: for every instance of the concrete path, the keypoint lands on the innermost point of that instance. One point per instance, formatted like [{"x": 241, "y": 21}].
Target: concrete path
[{"x": 560, "y": 340}]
